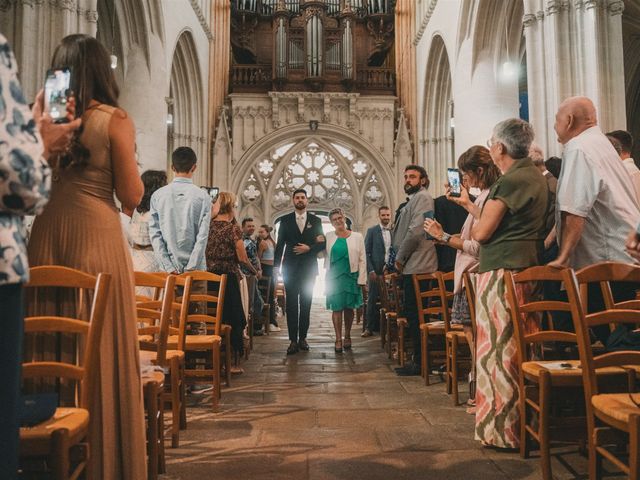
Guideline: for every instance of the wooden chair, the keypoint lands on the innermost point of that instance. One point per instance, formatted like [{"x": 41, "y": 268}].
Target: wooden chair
[
  {"x": 264, "y": 285},
  {"x": 62, "y": 440},
  {"x": 152, "y": 388},
  {"x": 612, "y": 418},
  {"x": 539, "y": 378},
  {"x": 207, "y": 345},
  {"x": 156, "y": 317},
  {"x": 383, "y": 298},
  {"x": 213, "y": 298},
  {"x": 438, "y": 299},
  {"x": 393, "y": 324},
  {"x": 455, "y": 339},
  {"x": 280, "y": 295}
]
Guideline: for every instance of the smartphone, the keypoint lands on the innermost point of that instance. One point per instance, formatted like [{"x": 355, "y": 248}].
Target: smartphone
[
  {"x": 213, "y": 193},
  {"x": 453, "y": 175},
  {"x": 57, "y": 87},
  {"x": 430, "y": 214}
]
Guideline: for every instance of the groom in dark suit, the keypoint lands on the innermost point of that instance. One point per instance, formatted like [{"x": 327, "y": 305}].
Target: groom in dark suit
[
  {"x": 300, "y": 238},
  {"x": 376, "y": 243}
]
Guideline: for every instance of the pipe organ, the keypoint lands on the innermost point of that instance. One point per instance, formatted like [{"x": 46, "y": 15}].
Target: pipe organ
[{"x": 317, "y": 45}]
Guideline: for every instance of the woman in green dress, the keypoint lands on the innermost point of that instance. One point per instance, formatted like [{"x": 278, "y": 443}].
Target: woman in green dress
[{"x": 346, "y": 274}]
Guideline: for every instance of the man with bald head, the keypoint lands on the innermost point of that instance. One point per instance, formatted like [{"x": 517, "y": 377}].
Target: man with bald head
[{"x": 596, "y": 205}]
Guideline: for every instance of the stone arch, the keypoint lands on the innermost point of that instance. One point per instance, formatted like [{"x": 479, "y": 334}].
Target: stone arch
[
  {"x": 365, "y": 189},
  {"x": 186, "y": 101},
  {"x": 438, "y": 111}
]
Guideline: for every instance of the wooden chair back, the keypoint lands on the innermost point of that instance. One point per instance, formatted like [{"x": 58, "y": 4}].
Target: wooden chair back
[
  {"x": 583, "y": 321},
  {"x": 470, "y": 293},
  {"x": 603, "y": 274},
  {"x": 82, "y": 373},
  {"x": 432, "y": 288},
  {"x": 394, "y": 292},
  {"x": 156, "y": 315},
  {"x": 530, "y": 340},
  {"x": 213, "y": 298},
  {"x": 383, "y": 291}
]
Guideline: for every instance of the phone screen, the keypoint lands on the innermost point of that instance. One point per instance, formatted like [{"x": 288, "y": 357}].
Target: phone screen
[
  {"x": 213, "y": 193},
  {"x": 56, "y": 90},
  {"x": 453, "y": 176},
  {"x": 430, "y": 214}
]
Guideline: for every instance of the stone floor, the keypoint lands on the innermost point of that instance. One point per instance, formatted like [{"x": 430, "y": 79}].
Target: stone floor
[{"x": 323, "y": 416}]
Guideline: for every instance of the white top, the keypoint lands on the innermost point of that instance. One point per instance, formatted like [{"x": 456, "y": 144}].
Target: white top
[
  {"x": 386, "y": 238},
  {"x": 594, "y": 184},
  {"x": 357, "y": 258},
  {"x": 468, "y": 259},
  {"x": 634, "y": 174}
]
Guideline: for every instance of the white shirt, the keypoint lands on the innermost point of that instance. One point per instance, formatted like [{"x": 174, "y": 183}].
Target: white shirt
[
  {"x": 634, "y": 174},
  {"x": 594, "y": 184},
  {"x": 386, "y": 238},
  {"x": 301, "y": 220}
]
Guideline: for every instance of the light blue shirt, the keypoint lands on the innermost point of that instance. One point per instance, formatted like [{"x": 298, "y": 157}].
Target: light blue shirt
[{"x": 179, "y": 226}]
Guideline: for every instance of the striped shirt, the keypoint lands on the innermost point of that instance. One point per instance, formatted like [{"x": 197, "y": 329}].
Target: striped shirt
[{"x": 594, "y": 185}]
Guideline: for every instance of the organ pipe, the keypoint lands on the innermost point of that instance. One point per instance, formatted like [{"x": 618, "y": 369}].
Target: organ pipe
[
  {"x": 314, "y": 47},
  {"x": 347, "y": 50},
  {"x": 281, "y": 50}
]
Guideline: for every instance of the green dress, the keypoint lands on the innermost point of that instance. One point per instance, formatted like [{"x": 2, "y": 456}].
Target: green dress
[{"x": 342, "y": 286}]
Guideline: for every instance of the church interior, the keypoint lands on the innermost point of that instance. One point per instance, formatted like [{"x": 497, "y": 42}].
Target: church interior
[{"x": 335, "y": 98}]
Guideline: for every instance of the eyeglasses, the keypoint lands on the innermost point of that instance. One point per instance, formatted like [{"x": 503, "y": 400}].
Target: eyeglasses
[{"x": 489, "y": 144}]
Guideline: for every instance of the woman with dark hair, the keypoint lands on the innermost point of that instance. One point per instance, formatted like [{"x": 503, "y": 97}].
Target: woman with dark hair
[
  {"x": 478, "y": 171},
  {"x": 266, "y": 254},
  {"x": 141, "y": 250},
  {"x": 80, "y": 228}
]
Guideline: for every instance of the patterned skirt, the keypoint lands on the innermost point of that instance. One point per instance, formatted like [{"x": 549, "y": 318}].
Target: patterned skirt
[{"x": 497, "y": 412}]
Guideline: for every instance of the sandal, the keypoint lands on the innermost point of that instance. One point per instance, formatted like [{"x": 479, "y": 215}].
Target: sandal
[
  {"x": 236, "y": 370},
  {"x": 338, "y": 346},
  {"x": 347, "y": 343}
]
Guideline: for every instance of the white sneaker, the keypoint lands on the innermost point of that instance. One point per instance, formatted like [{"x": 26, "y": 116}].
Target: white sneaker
[{"x": 274, "y": 328}]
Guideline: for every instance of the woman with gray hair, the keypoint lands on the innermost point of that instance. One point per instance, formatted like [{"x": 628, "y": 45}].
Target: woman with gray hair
[
  {"x": 346, "y": 273},
  {"x": 511, "y": 234}
]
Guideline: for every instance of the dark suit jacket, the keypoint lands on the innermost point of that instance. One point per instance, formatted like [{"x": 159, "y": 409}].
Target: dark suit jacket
[
  {"x": 452, "y": 218},
  {"x": 374, "y": 247},
  {"x": 289, "y": 236}
]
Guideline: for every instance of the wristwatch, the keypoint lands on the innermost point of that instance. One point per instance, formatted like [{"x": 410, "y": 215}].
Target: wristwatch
[{"x": 445, "y": 237}]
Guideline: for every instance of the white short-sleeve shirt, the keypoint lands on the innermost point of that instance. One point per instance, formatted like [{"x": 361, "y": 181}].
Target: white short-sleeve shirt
[{"x": 594, "y": 184}]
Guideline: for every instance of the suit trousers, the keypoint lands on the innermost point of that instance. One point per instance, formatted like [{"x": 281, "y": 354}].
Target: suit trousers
[
  {"x": 298, "y": 288},
  {"x": 373, "y": 313},
  {"x": 11, "y": 305},
  {"x": 411, "y": 313}
]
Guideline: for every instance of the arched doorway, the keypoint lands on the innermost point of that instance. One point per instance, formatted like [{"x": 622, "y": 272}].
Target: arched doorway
[{"x": 185, "y": 113}]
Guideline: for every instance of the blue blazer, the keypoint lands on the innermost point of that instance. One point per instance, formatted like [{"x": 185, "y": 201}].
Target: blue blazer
[{"x": 374, "y": 247}]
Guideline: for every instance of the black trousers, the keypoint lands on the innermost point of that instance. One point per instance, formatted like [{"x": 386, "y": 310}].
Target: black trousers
[
  {"x": 298, "y": 286},
  {"x": 267, "y": 270},
  {"x": 411, "y": 313},
  {"x": 373, "y": 313},
  {"x": 12, "y": 313}
]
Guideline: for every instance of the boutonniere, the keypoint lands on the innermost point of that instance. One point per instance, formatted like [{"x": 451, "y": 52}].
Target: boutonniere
[{"x": 308, "y": 225}]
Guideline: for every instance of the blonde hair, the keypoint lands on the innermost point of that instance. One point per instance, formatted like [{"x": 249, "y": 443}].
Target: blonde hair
[{"x": 227, "y": 202}]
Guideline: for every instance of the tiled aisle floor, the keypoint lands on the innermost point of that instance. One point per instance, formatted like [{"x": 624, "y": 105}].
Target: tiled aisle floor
[{"x": 323, "y": 416}]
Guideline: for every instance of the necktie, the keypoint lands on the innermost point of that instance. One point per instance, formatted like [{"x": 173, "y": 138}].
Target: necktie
[{"x": 300, "y": 222}]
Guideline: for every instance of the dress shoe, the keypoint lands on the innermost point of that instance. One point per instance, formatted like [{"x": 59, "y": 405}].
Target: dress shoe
[
  {"x": 408, "y": 370},
  {"x": 366, "y": 333},
  {"x": 338, "y": 346},
  {"x": 293, "y": 348},
  {"x": 303, "y": 345}
]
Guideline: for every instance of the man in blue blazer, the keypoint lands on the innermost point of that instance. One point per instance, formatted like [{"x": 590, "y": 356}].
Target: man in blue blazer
[
  {"x": 300, "y": 239},
  {"x": 377, "y": 243}
]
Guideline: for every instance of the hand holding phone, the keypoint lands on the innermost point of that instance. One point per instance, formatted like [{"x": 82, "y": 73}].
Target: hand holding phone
[
  {"x": 213, "y": 193},
  {"x": 430, "y": 214},
  {"x": 455, "y": 185}
]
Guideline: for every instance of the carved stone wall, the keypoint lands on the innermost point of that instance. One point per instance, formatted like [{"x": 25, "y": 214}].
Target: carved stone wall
[{"x": 265, "y": 148}]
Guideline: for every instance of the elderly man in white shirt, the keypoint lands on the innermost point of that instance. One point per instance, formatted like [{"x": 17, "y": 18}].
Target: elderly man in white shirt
[{"x": 596, "y": 205}]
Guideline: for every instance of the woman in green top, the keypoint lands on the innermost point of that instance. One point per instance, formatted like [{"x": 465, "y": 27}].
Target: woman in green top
[
  {"x": 346, "y": 274},
  {"x": 511, "y": 234}
]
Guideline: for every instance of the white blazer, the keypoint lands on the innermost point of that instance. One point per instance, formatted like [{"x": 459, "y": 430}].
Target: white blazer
[{"x": 357, "y": 258}]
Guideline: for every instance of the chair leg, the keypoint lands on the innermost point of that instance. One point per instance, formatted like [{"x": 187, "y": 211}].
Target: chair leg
[
  {"x": 162, "y": 466},
  {"x": 175, "y": 403},
  {"x": 454, "y": 370},
  {"x": 634, "y": 447},
  {"x": 227, "y": 359},
  {"x": 151, "y": 400},
  {"x": 524, "y": 436},
  {"x": 427, "y": 360},
  {"x": 423, "y": 358},
  {"x": 183, "y": 394},
  {"x": 401, "y": 345},
  {"x": 388, "y": 335},
  {"x": 60, "y": 454},
  {"x": 215, "y": 368},
  {"x": 448, "y": 356},
  {"x": 543, "y": 428}
]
